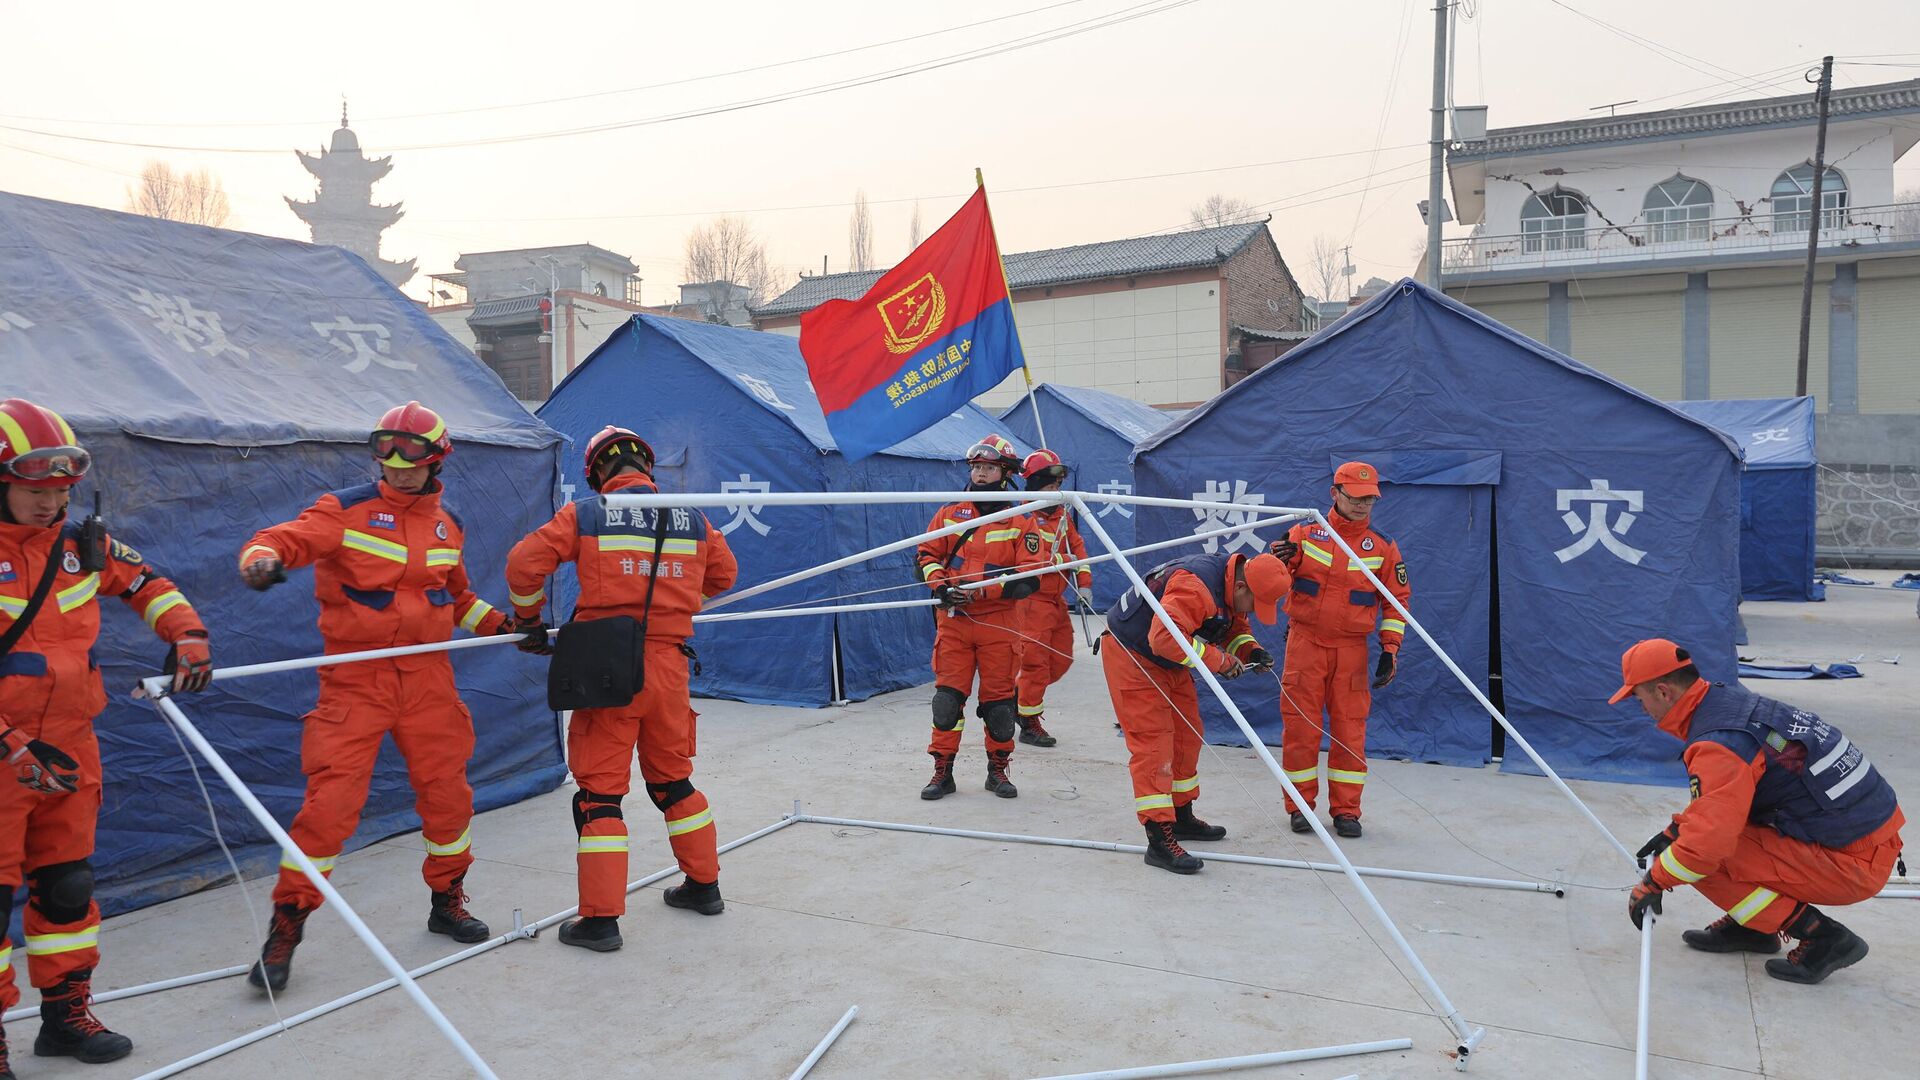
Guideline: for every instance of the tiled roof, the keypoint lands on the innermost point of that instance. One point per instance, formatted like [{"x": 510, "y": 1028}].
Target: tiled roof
[
  {"x": 1053, "y": 266},
  {"x": 1900, "y": 97}
]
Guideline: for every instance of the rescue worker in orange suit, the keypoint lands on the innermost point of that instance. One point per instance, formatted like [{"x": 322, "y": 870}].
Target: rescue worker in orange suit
[
  {"x": 1208, "y": 598},
  {"x": 1786, "y": 812},
  {"x": 978, "y": 628},
  {"x": 1047, "y": 651},
  {"x": 387, "y": 572},
  {"x": 1331, "y": 612},
  {"x": 611, "y": 547},
  {"x": 50, "y": 691}
]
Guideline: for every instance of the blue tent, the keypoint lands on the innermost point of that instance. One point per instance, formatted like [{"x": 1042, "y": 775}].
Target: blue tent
[
  {"x": 732, "y": 410},
  {"x": 1549, "y": 516},
  {"x": 223, "y": 382},
  {"x": 1779, "y": 492},
  {"x": 1094, "y": 433}
]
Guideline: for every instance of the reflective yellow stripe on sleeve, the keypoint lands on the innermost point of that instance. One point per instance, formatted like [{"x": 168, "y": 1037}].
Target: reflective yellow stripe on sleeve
[
  {"x": 1234, "y": 645},
  {"x": 373, "y": 545},
  {"x": 77, "y": 595},
  {"x": 1393, "y": 625},
  {"x": 162, "y": 604},
  {"x": 480, "y": 610},
  {"x": 1199, "y": 647},
  {"x": 1316, "y": 553},
  {"x": 443, "y": 556},
  {"x": 995, "y": 535},
  {"x": 13, "y": 607},
  {"x": 1678, "y": 869},
  {"x": 6, "y": 960},
  {"x": 1372, "y": 562}
]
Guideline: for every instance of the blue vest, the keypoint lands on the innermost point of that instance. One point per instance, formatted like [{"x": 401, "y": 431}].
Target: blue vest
[
  {"x": 1817, "y": 787},
  {"x": 593, "y": 517},
  {"x": 1130, "y": 619}
]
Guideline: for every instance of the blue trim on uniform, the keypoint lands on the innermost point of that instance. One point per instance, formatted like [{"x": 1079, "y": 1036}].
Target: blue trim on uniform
[
  {"x": 1306, "y": 586},
  {"x": 377, "y": 599},
  {"x": 31, "y": 664},
  {"x": 1363, "y": 597},
  {"x": 355, "y": 495},
  {"x": 457, "y": 523},
  {"x": 439, "y": 597}
]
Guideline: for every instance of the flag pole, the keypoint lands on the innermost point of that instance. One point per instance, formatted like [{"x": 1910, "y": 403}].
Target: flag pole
[{"x": 1026, "y": 372}]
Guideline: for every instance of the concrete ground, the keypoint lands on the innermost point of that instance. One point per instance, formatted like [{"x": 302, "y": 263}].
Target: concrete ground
[{"x": 984, "y": 959}]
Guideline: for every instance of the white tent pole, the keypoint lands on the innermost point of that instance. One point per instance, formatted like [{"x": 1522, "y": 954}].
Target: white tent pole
[
  {"x": 927, "y": 498},
  {"x": 1449, "y": 1014},
  {"x": 1646, "y": 992},
  {"x": 1212, "y": 856},
  {"x": 1259, "y": 523},
  {"x": 820, "y": 1050},
  {"x": 897, "y": 545},
  {"x": 828, "y": 609},
  {"x": 1897, "y": 894},
  {"x": 241, "y": 671},
  {"x": 28, "y": 1011},
  {"x": 155, "y": 689},
  {"x": 1414, "y": 625},
  {"x": 1249, "y": 1061}
]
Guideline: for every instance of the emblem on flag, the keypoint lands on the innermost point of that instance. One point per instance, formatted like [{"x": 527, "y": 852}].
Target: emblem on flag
[{"x": 914, "y": 314}]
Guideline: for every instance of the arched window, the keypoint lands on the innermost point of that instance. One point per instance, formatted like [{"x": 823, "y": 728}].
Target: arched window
[
  {"x": 1678, "y": 210},
  {"x": 1553, "y": 221},
  {"x": 1793, "y": 199}
]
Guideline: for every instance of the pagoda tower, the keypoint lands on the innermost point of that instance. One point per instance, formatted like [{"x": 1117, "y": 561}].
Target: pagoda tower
[{"x": 342, "y": 213}]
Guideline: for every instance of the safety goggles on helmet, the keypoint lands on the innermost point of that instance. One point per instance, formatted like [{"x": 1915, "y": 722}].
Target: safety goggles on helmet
[
  {"x": 408, "y": 447},
  {"x": 51, "y": 463},
  {"x": 990, "y": 453}
]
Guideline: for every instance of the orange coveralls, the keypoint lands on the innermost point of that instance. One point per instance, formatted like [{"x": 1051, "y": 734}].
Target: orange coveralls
[
  {"x": 613, "y": 549},
  {"x": 387, "y": 572},
  {"x": 979, "y": 636},
  {"x": 50, "y": 689},
  {"x": 1752, "y": 871},
  {"x": 1158, "y": 707},
  {"x": 1330, "y": 613},
  {"x": 1044, "y": 617}
]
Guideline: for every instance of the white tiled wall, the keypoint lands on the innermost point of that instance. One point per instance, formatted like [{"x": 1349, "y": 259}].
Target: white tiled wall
[{"x": 1158, "y": 345}]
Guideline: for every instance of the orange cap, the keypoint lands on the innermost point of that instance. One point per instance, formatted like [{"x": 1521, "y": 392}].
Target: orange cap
[
  {"x": 1358, "y": 478},
  {"x": 1646, "y": 662},
  {"x": 1269, "y": 579}
]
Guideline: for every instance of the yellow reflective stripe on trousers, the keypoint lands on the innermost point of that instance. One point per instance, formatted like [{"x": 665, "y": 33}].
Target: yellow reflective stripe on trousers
[
  {"x": 1303, "y": 776},
  {"x": 600, "y": 845},
  {"x": 480, "y": 610},
  {"x": 1394, "y": 625},
  {"x": 691, "y": 823},
  {"x": 1754, "y": 904},
  {"x": 1678, "y": 869},
  {"x": 6, "y": 960},
  {"x": 162, "y": 604},
  {"x": 51, "y": 944},
  {"x": 75, "y": 595},
  {"x": 1033, "y": 710},
  {"x": 531, "y": 599},
  {"x": 1153, "y": 802},
  {"x": 443, "y": 556},
  {"x": 1346, "y": 776},
  {"x": 373, "y": 545},
  {"x": 323, "y": 862},
  {"x": 463, "y": 843},
  {"x": 1316, "y": 553},
  {"x": 1191, "y": 783},
  {"x": 927, "y": 569}
]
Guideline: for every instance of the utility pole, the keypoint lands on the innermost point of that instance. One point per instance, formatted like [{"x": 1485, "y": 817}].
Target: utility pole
[
  {"x": 1437, "y": 150},
  {"x": 1825, "y": 94}
]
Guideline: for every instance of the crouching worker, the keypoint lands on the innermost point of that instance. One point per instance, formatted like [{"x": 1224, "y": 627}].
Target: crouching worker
[
  {"x": 1208, "y": 597},
  {"x": 644, "y": 573},
  {"x": 1786, "y": 813}
]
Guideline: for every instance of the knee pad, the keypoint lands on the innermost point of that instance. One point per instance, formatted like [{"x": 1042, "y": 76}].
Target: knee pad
[
  {"x": 665, "y": 795},
  {"x": 949, "y": 707},
  {"x": 1002, "y": 718},
  {"x": 588, "y": 806},
  {"x": 62, "y": 891}
]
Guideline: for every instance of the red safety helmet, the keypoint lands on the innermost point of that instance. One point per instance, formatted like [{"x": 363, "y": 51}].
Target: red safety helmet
[
  {"x": 1043, "y": 467},
  {"x": 409, "y": 435},
  {"x": 37, "y": 448},
  {"x": 615, "y": 444},
  {"x": 994, "y": 450}
]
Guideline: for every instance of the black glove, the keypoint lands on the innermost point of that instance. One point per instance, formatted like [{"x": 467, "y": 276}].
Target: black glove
[
  {"x": 190, "y": 663},
  {"x": 1260, "y": 660},
  {"x": 1021, "y": 589},
  {"x": 1645, "y": 895},
  {"x": 1659, "y": 843},
  {"x": 263, "y": 573},
  {"x": 1383, "y": 671},
  {"x": 539, "y": 637},
  {"x": 953, "y": 596},
  {"x": 41, "y": 767},
  {"x": 1284, "y": 550}
]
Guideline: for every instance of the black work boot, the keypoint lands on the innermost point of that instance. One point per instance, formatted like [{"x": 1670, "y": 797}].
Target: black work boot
[
  {"x": 276, "y": 956},
  {"x": 1825, "y": 947},
  {"x": 700, "y": 896},
  {"x": 1034, "y": 733},
  {"x": 997, "y": 781},
  {"x": 942, "y": 782},
  {"x": 1725, "y": 935},
  {"x": 6, "y": 1069},
  {"x": 1188, "y": 827},
  {"x": 1298, "y": 822},
  {"x": 1166, "y": 853},
  {"x": 451, "y": 917},
  {"x": 601, "y": 933},
  {"x": 1346, "y": 825},
  {"x": 68, "y": 1027}
]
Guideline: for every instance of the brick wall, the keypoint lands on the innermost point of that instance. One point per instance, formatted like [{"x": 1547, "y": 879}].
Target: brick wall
[{"x": 1256, "y": 275}]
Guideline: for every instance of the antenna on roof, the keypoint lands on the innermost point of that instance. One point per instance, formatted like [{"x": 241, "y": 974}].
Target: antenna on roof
[{"x": 1611, "y": 107}]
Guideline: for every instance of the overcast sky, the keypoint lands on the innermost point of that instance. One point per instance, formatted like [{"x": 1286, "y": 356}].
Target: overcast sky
[{"x": 1076, "y": 135}]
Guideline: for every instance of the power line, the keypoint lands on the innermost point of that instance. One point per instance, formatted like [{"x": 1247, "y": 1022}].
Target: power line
[{"x": 1666, "y": 52}]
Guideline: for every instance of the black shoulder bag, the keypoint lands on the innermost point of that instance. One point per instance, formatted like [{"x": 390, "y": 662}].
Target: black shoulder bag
[
  {"x": 19, "y": 628},
  {"x": 601, "y": 663}
]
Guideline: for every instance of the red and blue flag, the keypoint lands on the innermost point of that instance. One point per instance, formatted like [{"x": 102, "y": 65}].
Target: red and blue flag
[{"x": 933, "y": 333}]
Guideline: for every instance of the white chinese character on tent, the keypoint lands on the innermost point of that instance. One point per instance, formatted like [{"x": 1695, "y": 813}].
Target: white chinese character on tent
[
  {"x": 190, "y": 327},
  {"x": 10, "y": 320},
  {"x": 1777, "y": 434},
  {"x": 1597, "y": 530},
  {"x": 1222, "y": 517},
  {"x": 763, "y": 390},
  {"x": 364, "y": 343},
  {"x": 1114, "y": 487},
  {"x": 743, "y": 513}
]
